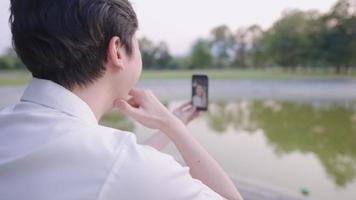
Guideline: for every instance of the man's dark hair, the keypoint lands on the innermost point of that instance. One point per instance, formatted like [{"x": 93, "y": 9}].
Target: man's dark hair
[{"x": 66, "y": 41}]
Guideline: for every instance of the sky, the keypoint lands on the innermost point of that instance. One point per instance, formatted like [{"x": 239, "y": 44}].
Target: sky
[{"x": 181, "y": 22}]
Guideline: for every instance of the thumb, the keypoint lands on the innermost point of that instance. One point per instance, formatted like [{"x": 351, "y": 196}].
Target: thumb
[{"x": 124, "y": 106}]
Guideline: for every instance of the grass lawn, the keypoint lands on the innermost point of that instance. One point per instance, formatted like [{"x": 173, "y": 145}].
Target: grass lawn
[
  {"x": 23, "y": 77},
  {"x": 14, "y": 78}
]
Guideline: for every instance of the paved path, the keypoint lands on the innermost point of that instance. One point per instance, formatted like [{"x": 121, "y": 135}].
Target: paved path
[
  {"x": 256, "y": 191},
  {"x": 295, "y": 90},
  {"x": 306, "y": 90}
]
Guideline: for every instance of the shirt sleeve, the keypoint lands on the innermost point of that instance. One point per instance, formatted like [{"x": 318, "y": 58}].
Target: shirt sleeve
[{"x": 142, "y": 172}]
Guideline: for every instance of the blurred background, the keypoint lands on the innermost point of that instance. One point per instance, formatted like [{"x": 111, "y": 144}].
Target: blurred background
[{"x": 282, "y": 113}]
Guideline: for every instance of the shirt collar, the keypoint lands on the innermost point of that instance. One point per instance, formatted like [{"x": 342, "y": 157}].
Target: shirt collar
[{"x": 50, "y": 94}]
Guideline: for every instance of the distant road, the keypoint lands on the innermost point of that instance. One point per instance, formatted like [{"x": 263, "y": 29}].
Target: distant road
[
  {"x": 293, "y": 90},
  {"x": 296, "y": 90}
]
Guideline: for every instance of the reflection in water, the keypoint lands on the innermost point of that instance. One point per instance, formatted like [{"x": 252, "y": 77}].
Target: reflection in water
[
  {"x": 117, "y": 120},
  {"x": 327, "y": 131},
  {"x": 221, "y": 115}
]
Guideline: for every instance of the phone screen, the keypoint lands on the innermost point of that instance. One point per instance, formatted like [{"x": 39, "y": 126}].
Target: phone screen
[{"x": 200, "y": 96}]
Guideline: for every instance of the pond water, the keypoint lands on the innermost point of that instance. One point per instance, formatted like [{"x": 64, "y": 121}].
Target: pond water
[
  {"x": 289, "y": 135},
  {"x": 293, "y": 146}
]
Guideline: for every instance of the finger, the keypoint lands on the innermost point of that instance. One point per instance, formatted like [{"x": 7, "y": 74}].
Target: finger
[
  {"x": 193, "y": 116},
  {"x": 196, "y": 114},
  {"x": 125, "y": 107},
  {"x": 133, "y": 103},
  {"x": 184, "y": 107},
  {"x": 189, "y": 110},
  {"x": 188, "y": 116},
  {"x": 135, "y": 113},
  {"x": 136, "y": 92}
]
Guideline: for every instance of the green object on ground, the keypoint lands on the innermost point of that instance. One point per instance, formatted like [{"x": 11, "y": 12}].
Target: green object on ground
[{"x": 305, "y": 191}]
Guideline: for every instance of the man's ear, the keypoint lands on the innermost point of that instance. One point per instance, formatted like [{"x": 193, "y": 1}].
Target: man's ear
[{"x": 115, "y": 53}]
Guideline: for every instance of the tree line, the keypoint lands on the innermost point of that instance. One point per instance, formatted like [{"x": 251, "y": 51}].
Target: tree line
[
  {"x": 299, "y": 39},
  {"x": 307, "y": 40}
]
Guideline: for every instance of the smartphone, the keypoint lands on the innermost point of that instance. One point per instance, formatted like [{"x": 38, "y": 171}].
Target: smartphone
[{"x": 200, "y": 92}]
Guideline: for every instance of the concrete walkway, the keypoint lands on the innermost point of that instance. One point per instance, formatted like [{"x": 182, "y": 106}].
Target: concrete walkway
[
  {"x": 255, "y": 191},
  {"x": 294, "y": 90}
]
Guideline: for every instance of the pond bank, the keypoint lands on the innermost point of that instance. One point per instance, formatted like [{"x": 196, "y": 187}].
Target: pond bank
[{"x": 256, "y": 191}]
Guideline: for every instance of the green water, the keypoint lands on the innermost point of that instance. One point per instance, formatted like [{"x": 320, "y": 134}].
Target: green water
[
  {"x": 285, "y": 144},
  {"x": 328, "y": 132}
]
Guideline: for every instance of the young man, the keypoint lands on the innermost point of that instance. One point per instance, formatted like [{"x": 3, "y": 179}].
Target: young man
[{"x": 85, "y": 61}]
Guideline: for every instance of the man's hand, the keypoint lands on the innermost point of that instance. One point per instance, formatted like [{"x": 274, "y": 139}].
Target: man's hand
[
  {"x": 186, "y": 112},
  {"x": 146, "y": 109}
]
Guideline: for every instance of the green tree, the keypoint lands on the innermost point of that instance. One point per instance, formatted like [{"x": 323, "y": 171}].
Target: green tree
[
  {"x": 147, "y": 52},
  {"x": 201, "y": 55},
  {"x": 10, "y": 61},
  {"x": 288, "y": 40},
  {"x": 255, "y": 56},
  {"x": 222, "y": 46},
  {"x": 163, "y": 57},
  {"x": 155, "y": 56},
  {"x": 339, "y": 35},
  {"x": 240, "y": 48}
]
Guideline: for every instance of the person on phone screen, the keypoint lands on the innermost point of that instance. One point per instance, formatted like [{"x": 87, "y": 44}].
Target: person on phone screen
[
  {"x": 199, "y": 99},
  {"x": 85, "y": 61}
]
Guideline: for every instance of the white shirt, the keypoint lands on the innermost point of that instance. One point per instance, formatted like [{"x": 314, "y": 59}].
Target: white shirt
[{"x": 52, "y": 148}]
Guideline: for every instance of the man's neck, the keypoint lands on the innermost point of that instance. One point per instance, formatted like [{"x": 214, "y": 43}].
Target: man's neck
[{"x": 97, "y": 96}]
